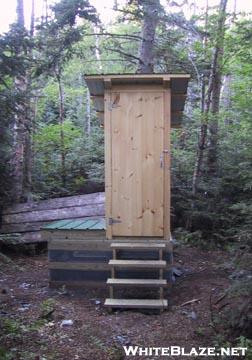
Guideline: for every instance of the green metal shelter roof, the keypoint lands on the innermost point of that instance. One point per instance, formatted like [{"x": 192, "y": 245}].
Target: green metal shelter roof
[{"x": 77, "y": 224}]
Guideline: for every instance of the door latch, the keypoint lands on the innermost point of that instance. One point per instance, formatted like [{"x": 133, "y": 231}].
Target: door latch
[
  {"x": 161, "y": 161},
  {"x": 112, "y": 221},
  {"x": 165, "y": 151}
]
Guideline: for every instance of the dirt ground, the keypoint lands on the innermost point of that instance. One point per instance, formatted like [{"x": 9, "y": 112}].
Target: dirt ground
[{"x": 32, "y": 314}]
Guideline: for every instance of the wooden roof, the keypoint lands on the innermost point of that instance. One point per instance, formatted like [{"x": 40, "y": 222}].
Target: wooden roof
[{"x": 177, "y": 82}]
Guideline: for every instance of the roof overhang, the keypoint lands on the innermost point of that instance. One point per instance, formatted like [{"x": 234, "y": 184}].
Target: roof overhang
[{"x": 97, "y": 85}]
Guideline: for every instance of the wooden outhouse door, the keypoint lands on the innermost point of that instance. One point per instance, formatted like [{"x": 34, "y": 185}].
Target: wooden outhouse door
[{"x": 138, "y": 161}]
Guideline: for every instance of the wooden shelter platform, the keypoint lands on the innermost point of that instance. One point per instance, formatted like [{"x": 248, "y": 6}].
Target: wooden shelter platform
[
  {"x": 79, "y": 254},
  {"x": 22, "y": 222}
]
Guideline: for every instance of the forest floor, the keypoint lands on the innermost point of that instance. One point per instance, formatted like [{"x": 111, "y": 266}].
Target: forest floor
[{"x": 32, "y": 313}]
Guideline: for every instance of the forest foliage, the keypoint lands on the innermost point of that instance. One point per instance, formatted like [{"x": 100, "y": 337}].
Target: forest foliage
[
  {"x": 65, "y": 134},
  {"x": 58, "y": 49},
  {"x": 51, "y": 140}
]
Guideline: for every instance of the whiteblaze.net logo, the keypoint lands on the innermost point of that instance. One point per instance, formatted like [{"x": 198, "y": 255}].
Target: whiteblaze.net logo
[{"x": 181, "y": 351}]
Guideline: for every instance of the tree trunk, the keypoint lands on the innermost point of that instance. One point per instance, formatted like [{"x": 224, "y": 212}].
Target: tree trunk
[
  {"x": 210, "y": 102},
  {"x": 28, "y": 151},
  {"x": 150, "y": 21},
  {"x": 62, "y": 135},
  {"x": 215, "y": 80},
  {"x": 115, "y": 6},
  {"x": 203, "y": 126},
  {"x": 97, "y": 30},
  {"x": 28, "y": 161},
  {"x": 45, "y": 11},
  {"x": 200, "y": 156},
  {"x": 19, "y": 131},
  {"x": 88, "y": 113},
  {"x": 19, "y": 124},
  {"x": 20, "y": 13},
  {"x": 32, "y": 18}
]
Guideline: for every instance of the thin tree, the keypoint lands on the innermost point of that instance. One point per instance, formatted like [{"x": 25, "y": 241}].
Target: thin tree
[
  {"x": 28, "y": 152},
  {"x": 58, "y": 74},
  {"x": 203, "y": 126},
  {"x": 19, "y": 123},
  {"x": 211, "y": 103},
  {"x": 213, "y": 99},
  {"x": 88, "y": 113},
  {"x": 20, "y": 13},
  {"x": 56, "y": 40}
]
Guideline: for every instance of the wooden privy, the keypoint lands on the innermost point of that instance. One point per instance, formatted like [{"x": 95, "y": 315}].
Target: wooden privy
[
  {"x": 138, "y": 112},
  {"x": 130, "y": 246}
]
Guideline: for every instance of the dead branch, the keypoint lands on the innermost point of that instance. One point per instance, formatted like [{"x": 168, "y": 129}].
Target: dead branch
[
  {"x": 220, "y": 298},
  {"x": 125, "y": 36},
  {"x": 190, "y": 302},
  {"x": 123, "y": 53}
]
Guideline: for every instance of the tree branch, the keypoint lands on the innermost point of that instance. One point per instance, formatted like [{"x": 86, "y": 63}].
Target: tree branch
[
  {"x": 126, "y": 36},
  {"x": 124, "y": 53}
]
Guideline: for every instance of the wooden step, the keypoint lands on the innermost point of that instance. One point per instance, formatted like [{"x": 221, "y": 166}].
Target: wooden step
[
  {"x": 149, "y": 264},
  {"x": 136, "y": 303},
  {"x": 137, "y": 282},
  {"x": 137, "y": 245}
]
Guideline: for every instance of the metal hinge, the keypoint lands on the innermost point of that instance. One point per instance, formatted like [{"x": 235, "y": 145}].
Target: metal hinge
[
  {"x": 110, "y": 106},
  {"x": 114, "y": 104},
  {"x": 112, "y": 221},
  {"x": 165, "y": 151}
]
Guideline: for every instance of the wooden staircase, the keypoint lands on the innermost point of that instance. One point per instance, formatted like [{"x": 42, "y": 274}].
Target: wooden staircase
[{"x": 159, "y": 284}]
